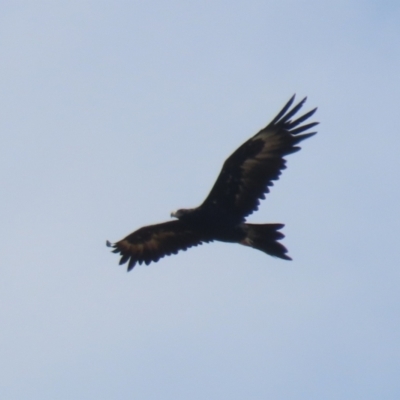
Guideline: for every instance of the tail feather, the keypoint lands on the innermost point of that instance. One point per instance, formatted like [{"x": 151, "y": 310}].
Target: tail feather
[{"x": 265, "y": 238}]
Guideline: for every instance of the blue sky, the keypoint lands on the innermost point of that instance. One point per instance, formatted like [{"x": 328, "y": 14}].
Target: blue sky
[{"x": 113, "y": 114}]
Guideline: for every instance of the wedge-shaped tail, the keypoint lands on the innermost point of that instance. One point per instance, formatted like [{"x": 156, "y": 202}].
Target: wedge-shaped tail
[{"x": 265, "y": 238}]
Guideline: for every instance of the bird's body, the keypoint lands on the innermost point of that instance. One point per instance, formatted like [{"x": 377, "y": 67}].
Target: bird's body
[{"x": 244, "y": 180}]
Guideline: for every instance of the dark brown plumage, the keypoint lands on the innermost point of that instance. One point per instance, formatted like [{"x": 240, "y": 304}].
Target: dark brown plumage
[{"x": 244, "y": 180}]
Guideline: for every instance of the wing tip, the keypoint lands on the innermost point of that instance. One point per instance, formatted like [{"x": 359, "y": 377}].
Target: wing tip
[{"x": 131, "y": 264}]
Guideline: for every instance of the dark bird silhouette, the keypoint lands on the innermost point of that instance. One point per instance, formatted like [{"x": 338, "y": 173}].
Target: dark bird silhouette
[{"x": 245, "y": 178}]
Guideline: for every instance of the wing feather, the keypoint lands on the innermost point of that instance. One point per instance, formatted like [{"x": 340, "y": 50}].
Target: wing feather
[
  {"x": 248, "y": 173},
  {"x": 150, "y": 243}
]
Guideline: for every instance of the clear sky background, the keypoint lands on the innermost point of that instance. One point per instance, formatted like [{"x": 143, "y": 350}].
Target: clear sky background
[{"x": 115, "y": 113}]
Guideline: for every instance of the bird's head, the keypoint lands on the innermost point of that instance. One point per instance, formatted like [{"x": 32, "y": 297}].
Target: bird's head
[{"x": 180, "y": 213}]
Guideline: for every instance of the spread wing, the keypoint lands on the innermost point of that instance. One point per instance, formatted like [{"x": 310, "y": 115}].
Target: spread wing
[
  {"x": 153, "y": 242},
  {"x": 248, "y": 173}
]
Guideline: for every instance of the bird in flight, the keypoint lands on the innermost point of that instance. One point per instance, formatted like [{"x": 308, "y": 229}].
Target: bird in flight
[{"x": 245, "y": 178}]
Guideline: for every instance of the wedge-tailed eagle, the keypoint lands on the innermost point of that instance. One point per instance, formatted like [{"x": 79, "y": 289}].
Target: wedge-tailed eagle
[{"x": 244, "y": 180}]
